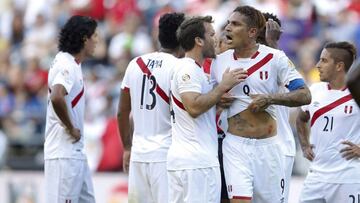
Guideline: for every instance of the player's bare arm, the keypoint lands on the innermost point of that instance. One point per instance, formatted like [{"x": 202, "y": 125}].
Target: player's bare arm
[
  {"x": 350, "y": 151},
  {"x": 123, "y": 116},
  {"x": 272, "y": 33},
  {"x": 294, "y": 98},
  {"x": 196, "y": 103},
  {"x": 302, "y": 127},
  {"x": 57, "y": 98}
]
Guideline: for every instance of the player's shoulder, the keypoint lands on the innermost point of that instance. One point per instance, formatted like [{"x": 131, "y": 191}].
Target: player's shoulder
[
  {"x": 226, "y": 55},
  {"x": 64, "y": 60},
  {"x": 318, "y": 87},
  {"x": 269, "y": 50}
]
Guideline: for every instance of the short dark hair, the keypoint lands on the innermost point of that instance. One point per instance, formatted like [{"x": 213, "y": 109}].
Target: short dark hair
[
  {"x": 190, "y": 29},
  {"x": 168, "y": 24},
  {"x": 75, "y": 31},
  {"x": 342, "y": 51},
  {"x": 261, "y": 37},
  {"x": 255, "y": 19}
]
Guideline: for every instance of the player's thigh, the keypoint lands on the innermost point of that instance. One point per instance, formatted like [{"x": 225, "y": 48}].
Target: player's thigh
[
  {"x": 202, "y": 185},
  {"x": 87, "y": 190},
  {"x": 159, "y": 182},
  {"x": 175, "y": 186},
  {"x": 312, "y": 192},
  {"x": 237, "y": 169},
  {"x": 269, "y": 187},
  {"x": 67, "y": 177},
  {"x": 139, "y": 188},
  {"x": 289, "y": 163},
  {"x": 346, "y": 193}
]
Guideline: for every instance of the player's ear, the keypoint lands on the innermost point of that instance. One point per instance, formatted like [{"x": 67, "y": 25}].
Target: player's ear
[
  {"x": 199, "y": 41},
  {"x": 253, "y": 32},
  {"x": 340, "y": 66}
]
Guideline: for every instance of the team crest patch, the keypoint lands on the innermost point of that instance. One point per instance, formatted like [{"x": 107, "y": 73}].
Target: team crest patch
[
  {"x": 291, "y": 64},
  {"x": 185, "y": 77}
]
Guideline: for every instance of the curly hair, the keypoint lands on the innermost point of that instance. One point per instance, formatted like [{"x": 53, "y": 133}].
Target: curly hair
[
  {"x": 261, "y": 38},
  {"x": 168, "y": 25},
  {"x": 74, "y": 33},
  {"x": 342, "y": 52}
]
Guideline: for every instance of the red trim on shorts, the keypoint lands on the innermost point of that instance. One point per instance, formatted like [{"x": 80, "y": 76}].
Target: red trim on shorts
[
  {"x": 147, "y": 72},
  {"x": 259, "y": 64},
  {"x": 178, "y": 103},
  {"x": 77, "y": 98},
  {"x": 328, "y": 107},
  {"x": 242, "y": 197}
]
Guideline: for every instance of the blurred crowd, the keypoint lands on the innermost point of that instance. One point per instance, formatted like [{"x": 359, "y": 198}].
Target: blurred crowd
[{"x": 28, "y": 43}]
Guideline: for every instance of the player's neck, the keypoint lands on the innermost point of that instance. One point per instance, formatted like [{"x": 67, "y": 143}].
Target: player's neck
[
  {"x": 174, "y": 52},
  {"x": 246, "y": 51},
  {"x": 338, "y": 83},
  {"x": 79, "y": 57},
  {"x": 196, "y": 55}
]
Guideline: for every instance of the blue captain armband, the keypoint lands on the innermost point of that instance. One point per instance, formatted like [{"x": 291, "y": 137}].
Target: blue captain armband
[{"x": 295, "y": 84}]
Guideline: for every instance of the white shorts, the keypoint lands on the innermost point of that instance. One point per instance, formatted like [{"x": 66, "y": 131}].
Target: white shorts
[
  {"x": 289, "y": 163},
  {"x": 68, "y": 180},
  {"x": 195, "y": 185},
  {"x": 148, "y": 182},
  {"x": 319, "y": 192},
  {"x": 254, "y": 169}
]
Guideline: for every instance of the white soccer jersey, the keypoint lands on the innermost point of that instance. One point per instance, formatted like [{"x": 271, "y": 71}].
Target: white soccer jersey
[
  {"x": 194, "y": 143},
  {"x": 148, "y": 80},
  {"x": 58, "y": 144},
  {"x": 284, "y": 130},
  {"x": 334, "y": 117},
  {"x": 268, "y": 69}
]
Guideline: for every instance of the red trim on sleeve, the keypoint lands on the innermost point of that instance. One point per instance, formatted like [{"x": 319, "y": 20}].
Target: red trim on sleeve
[
  {"x": 126, "y": 89},
  {"x": 146, "y": 71},
  {"x": 242, "y": 197},
  {"x": 328, "y": 107},
  {"x": 178, "y": 103},
  {"x": 77, "y": 98}
]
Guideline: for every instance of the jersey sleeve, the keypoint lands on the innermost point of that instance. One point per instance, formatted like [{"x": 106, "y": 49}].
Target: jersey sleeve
[
  {"x": 286, "y": 70},
  {"x": 188, "y": 80},
  {"x": 65, "y": 77},
  {"x": 125, "y": 84}
]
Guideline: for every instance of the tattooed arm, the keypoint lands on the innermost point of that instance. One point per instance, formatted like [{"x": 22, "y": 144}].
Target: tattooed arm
[{"x": 294, "y": 98}]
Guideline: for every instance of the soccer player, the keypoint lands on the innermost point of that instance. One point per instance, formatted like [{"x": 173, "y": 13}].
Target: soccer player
[
  {"x": 192, "y": 164},
  {"x": 353, "y": 81},
  {"x": 145, "y": 90},
  {"x": 334, "y": 119},
  {"x": 67, "y": 174},
  {"x": 270, "y": 37},
  {"x": 250, "y": 146}
]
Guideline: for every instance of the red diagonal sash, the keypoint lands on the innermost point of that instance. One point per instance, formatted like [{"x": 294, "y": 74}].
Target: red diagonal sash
[
  {"x": 77, "y": 98},
  {"x": 178, "y": 103},
  {"x": 328, "y": 107},
  {"x": 259, "y": 64},
  {"x": 146, "y": 71}
]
